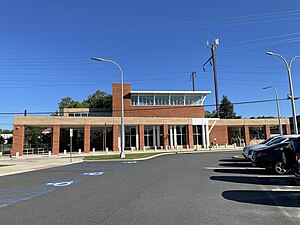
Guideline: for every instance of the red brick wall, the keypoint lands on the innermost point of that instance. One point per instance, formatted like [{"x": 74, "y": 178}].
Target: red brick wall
[
  {"x": 141, "y": 136},
  {"x": 267, "y": 131},
  {"x": 150, "y": 111},
  {"x": 288, "y": 129},
  {"x": 87, "y": 138},
  {"x": 55, "y": 139},
  {"x": 190, "y": 136},
  {"x": 165, "y": 135},
  {"x": 115, "y": 137},
  {"x": 18, "y": 140},
  {"x": 246, "y": 135},
  {"x": 219, "y": 132}
]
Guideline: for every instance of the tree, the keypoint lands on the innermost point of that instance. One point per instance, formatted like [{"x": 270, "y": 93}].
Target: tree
[
  {"x": 99, "y": 100},
  {"x": 68, "y": 102},
  {"x": 209, "y": 114},
  {"x": 227, "y": 109}
]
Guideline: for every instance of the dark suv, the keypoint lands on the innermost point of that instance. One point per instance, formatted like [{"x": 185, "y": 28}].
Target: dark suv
[
  {"x": 271, "y": 158},
  {"x": 291, "y": 157}
]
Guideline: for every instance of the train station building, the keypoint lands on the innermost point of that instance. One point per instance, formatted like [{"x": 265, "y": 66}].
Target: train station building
[{"x": 153, "y": 120}]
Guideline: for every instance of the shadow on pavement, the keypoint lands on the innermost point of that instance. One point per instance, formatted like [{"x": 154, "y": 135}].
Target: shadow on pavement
[
  {"x": 244, "y": 164},
  {"x": 272, "y": 198},
  {"x": 286, "y": 181},
  {"x": 244, "y": 171},
  {"x": 233, "y": 160}
]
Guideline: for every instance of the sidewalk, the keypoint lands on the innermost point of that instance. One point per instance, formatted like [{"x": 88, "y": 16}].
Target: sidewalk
[{"x": 27, "y": 163}]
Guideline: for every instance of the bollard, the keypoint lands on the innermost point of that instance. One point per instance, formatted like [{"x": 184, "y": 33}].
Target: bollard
[
  {"x": 79, "y": 151},
  {"x": 225, "y": 145},
  {"x": 144, "y": 148},
  {"x": 17, "y": 154},
  {"x": 65, "y": 152},
  {"x": 244, "y": 145},
  {"x": 166, "y": 147},
  {"x": 131, "y": 149},
  {"x": 217, "y": 145},
  {"x": 234, "y": 145},
  {"x": 0, "y": 154},
  {"x": 155, "y": 148},
  {"x": 187, "y": 147},
  {"x": 49, "y": 153},
  {"x": 106, "y": 150},
  {"x": 176, "y": 147},
  {"x": 93, "y": 150}
]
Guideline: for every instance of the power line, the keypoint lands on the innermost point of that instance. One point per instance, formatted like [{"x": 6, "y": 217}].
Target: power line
[{"x": 145, "y": 109}]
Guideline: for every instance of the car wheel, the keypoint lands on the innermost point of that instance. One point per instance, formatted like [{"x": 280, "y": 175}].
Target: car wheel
[{"x": 280, "y": 168}]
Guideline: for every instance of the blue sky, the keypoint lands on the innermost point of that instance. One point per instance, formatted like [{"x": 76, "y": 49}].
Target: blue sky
[{"x": 46, "y": 49}]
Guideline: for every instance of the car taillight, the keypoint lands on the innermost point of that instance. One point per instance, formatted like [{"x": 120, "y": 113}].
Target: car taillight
[
  {"x": 297, "y": 155},
  {"x": 261, "y": 154}
]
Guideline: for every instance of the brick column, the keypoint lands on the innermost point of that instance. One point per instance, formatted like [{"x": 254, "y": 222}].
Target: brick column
[
  {"x": 165, "y": 135},
  {"x": 246, "y": 134},
  {"x": 18, "y": 139},
  {"x": 115, "y": 137},
  {"x": 141, "y": 136},
  {"x": 267, "y": 131},
  {"x": 55, "y": 139},
  {"x": 190, "y": 136},
  {"x": 287, "y": 128},
  {"x": 87, "y": 138}
]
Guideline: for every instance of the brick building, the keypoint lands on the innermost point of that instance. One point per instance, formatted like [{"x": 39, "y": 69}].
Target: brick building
[{"x": 153, "y": 119}]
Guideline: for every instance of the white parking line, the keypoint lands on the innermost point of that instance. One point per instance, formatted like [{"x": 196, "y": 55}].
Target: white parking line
[
  {"x": 234, "y": 168},
  {"x": 274, "y": 176},
  {"x": 290, "y": 190}
]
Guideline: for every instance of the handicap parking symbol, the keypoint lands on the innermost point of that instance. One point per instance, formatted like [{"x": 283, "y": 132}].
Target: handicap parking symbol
[
  {"x": 62, "y": 183},
  {"x": 93, "y": 174}
]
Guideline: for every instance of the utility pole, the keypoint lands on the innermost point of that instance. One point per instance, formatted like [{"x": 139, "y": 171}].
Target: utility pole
[
  {"x": 193, "y": 80},
  {"x": 213, "y": 59}
]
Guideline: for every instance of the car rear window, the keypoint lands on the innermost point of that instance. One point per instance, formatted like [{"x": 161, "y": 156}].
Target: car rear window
[{"x": 276, "y": 141}]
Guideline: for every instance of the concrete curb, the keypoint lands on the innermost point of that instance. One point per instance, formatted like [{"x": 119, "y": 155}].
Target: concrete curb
[{"x": 162, "y": 154}]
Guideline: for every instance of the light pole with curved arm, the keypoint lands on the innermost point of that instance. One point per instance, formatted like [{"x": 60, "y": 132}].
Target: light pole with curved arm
[
  {"x": 278, "y": 108},
  {"x": 288, "y": 67},
  {"x": 122, "y": 154}
]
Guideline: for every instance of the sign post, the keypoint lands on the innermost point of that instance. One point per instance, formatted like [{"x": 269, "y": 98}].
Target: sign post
[{"x": 71, "y": 137}]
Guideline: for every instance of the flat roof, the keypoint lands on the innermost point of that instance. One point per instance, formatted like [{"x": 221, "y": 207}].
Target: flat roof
[{"x": 171, "y": 92}]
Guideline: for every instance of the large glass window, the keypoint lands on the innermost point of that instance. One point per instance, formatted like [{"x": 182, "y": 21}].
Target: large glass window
[
  {"x": 143, "y": 99},
  {"x": 148, "y": 135},
  {"x": 134, "y": 100},
  {"x": 181, "y": 135},
  {"x": 130, "y": 136},
  {"x": 146, "y": 100},
  {"x": 192, "y": 100},
  {"x": 162, "y": 100},
  {"x": 274, "y": 130},
  {"x": 177, "y": 100},
  {"x": 235, "y": 135},
  {"x": 197, "y": 134},
  {"x": 257, "y": 133}
]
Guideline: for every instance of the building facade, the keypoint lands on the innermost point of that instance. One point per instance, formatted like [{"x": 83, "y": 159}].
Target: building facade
[{"x": 153, "y": 120}]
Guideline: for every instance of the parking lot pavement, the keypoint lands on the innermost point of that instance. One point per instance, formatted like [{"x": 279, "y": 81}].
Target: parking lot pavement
[
  {"x": 206, "y": 188},
  {"x": 280, "y": 191}
]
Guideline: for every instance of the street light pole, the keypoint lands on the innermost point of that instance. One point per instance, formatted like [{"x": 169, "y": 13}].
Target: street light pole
[
  {"x": 288, "y": 67},
  {"x": 278, "y": 108},
  {"x": 122, "y": 154}
]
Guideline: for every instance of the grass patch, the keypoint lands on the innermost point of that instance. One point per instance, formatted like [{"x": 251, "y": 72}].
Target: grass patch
[{"x": 117, "y": 156}]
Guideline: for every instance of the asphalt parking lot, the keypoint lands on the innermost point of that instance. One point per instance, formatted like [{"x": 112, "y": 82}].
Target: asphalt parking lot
[{"x": 204, "y": 188}]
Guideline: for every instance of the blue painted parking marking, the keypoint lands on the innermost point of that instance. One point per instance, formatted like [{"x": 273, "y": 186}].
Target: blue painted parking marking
[
  {"x": 61, "y": 183},
  {"x": 12, "y": 195},
  {"x": 93, "y": 174}
]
